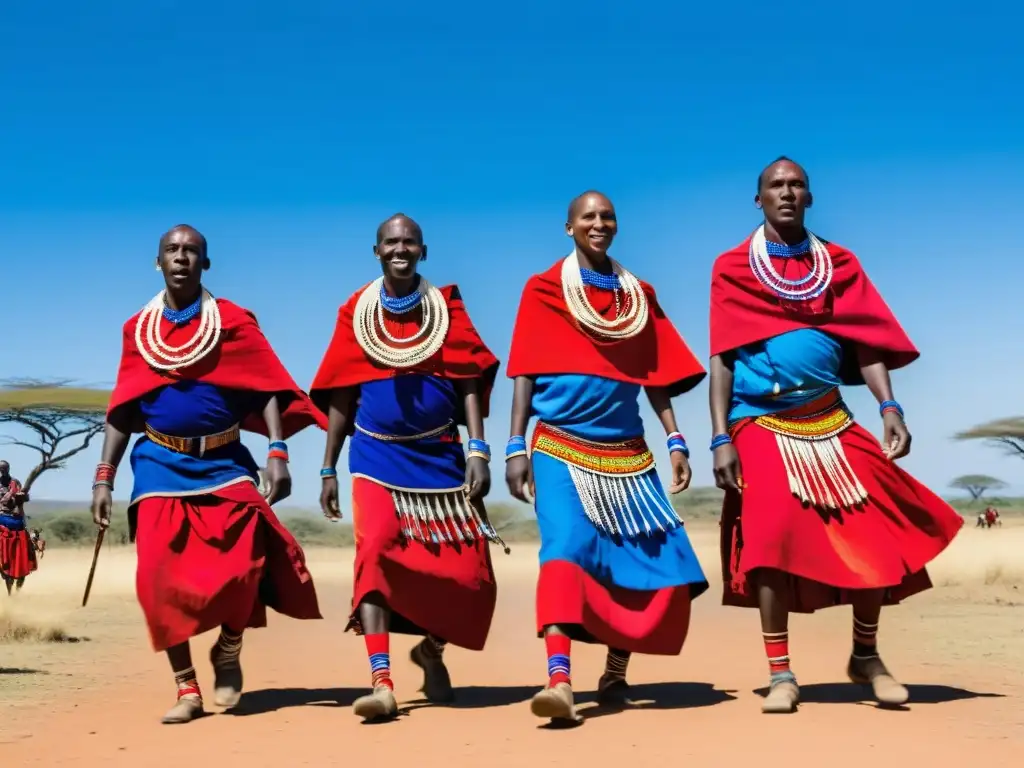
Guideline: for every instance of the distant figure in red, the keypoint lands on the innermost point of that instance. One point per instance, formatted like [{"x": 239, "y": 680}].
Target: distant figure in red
[
  {"x": 404, "y": 368},
  {"x": 816, "y": 512},
  {"x": 194, "y": 372},
  {"x": 992, "y": 517},
  {"x": 17, "y": 554}
]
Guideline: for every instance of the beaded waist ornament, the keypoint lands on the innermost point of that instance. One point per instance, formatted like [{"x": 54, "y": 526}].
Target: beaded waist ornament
[
  {"x": 432, "y": 516},
  {"x": 616, "y": 482},
  {"x": 816, "y": 465}
]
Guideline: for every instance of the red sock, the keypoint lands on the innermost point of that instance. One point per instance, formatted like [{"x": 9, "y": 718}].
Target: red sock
[
  {"x": 558, "y": 647},
  {"x": 378, "y": 648},
  {"x": 776, "y": 646}
]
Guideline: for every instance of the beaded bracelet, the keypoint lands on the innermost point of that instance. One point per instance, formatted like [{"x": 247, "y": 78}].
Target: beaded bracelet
[
  {"x": 278, "y": 450},
  {"x": 104, "y": 476},
  {"x": 516, "y": 447},
  {"x": 676, "y": 442},
  {"x": 719, "y": 440},
  {"x": 890, "y": 405},
  {"x": 479, "y": 446},
  {"x": 328, "y": 472}
]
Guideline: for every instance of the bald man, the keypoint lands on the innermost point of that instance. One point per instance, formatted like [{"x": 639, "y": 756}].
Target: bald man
[
  {"x": 194, "y": 372},
  {"x": 816, "y": 512},
  {"x": 404, "y": 369}
]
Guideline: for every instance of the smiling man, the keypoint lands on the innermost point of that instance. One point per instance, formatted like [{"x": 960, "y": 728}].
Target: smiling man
[
  {"x": 616, "y": 565},
  {"x": 404, "y": 369},
  {"x": 816, "y": 513},
  {"x": 194, "y": 372}
]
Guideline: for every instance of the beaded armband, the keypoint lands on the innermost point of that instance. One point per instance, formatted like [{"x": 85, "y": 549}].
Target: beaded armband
[
  {"x": 479, "y": 449},
  {"x": 328, "y": 472},
  {"x": 104, "y": 476},
  {"x": 719, "y": 440},
  {"x": 278, "y": 450},
  {"x": 890, "y": 405}
]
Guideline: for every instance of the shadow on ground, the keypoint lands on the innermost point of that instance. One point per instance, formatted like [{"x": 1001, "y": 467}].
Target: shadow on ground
[
  {"x": 656, "y": 696},
  {"x": 852, "y": 693},
  {"x": 273, "y": 699},
  {"x": 481, "y": 697},
  {"x": 20, "y": 671}
]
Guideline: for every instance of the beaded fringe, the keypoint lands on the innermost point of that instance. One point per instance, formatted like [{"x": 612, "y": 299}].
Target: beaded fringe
[
  {"x": 625, "y": 506},
  {"x": 819, "y": 473},
  {"x": 433, "y": 517}
]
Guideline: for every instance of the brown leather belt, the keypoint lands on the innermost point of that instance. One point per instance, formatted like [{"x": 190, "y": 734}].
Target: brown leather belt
[{"x": 194, "y": 446}]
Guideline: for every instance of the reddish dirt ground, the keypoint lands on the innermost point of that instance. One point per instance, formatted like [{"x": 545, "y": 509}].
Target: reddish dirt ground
[{"x": 99, "y": 703}]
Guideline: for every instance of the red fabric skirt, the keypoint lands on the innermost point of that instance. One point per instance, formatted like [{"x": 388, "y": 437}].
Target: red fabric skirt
[
  {"x": 446, "y": 590},
  {"x": 17, "y": 554},
  {"x": 220, "y": 558},
  {"x": 883, "y": 543},
  {"x": 654, "y": 622}
]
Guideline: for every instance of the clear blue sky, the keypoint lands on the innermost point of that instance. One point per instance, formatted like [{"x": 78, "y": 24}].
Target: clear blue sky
[{"x": 287, "y": 132}]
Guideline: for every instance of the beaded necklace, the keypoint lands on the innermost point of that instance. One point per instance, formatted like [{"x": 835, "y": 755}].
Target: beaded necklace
[
  {"x": 158, "y": 353},
  {"x": 382, "y": 347},
  {"x": 401, "y": 304},
  {"x": 810, "y": 286},
  {"x": 630, "y": 314}
]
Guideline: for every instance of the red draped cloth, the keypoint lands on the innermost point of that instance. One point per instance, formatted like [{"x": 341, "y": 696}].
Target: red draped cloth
[
  {"x": 447, "y": 590},
  {"x": 883, "y": 543},
  {"x": 218, "y": 558},
  {"x": 547, "y": 340},
  {"x": 17, "y": 553}
]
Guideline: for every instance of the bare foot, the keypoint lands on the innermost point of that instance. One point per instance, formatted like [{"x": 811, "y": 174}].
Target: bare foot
[
  {"x": 871, "y": 671},
  {"x": 437, "y": 684},
  {"x": 379, "y": 705},
  {"x": 227, "y": 678},
  {"x": 556, "y": 704}
]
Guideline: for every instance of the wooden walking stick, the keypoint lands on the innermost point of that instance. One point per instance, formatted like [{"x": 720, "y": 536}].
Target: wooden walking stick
[{"x": 92, "y": 570}]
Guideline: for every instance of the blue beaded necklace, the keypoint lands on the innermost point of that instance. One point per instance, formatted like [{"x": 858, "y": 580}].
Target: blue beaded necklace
[
  {"x": 182, "y": 316},
  {"x": 787, "y": 251},
  {"x": 599, "y": 280},
  {"x": 403, "y": 304}
]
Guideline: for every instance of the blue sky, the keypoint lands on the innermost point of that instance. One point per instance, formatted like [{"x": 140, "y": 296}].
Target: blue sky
[{"x": 287, "y": 133}]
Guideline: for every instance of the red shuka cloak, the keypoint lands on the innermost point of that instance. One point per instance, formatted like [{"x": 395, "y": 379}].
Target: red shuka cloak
[
  {"x": 548, "y": 340},
  {"x": 243, "y": 359},
  {"x": 463, "y": 355},
  {"x": 744, "y": 312}
]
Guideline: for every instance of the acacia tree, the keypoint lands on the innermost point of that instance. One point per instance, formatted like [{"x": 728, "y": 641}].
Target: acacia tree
[
  {"x": 62, "y": 420},
  {"x": 976, "y": 485},
  {"x": 1007, "y": 434}
]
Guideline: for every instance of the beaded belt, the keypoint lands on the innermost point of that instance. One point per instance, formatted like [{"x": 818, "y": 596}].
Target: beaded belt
[
  {"x": 817, "y": 468},
  {"x": 449, "y": 427},
  {"x": 824, "y": 418},
  {"x": 195, "y": 446},
  {"x": 629, "y": 457}
]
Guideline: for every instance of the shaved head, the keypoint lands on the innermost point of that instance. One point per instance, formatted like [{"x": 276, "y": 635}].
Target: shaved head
[
  {"x": 183, "y": 228},
  {"x": 398, "y": 217},
  {"x": 776, "y": 161},
  {"x": 574, "y": 204}
]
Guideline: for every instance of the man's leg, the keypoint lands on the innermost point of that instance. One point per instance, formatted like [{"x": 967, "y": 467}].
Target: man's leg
[
  {"x": 375, "y": 618},
  {"x": 772, "y": 595},
  {"x": 866, "y": 665},
  {"x": 227, "y": 668},
  {"x": 190, "y": 700},
  {"x": 612, "y": 688},
  {"x": 428, "y": 655},
  {"x": 555, "y": 702}
]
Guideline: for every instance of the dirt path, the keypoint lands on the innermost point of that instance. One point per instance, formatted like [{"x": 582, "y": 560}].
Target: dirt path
[{"x": 98, "y": 703}]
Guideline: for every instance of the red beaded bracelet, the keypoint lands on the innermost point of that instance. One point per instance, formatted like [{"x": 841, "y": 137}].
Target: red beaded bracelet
[{"x": 277, "y": 454}]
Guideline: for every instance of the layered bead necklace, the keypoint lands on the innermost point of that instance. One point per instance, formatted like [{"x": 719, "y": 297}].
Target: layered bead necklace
[
  {"x": 810, "y": 286},
  {"x": 374, "y": 338},
  {"x": 158, "y": 353},
  {"x": 630, "y": 313}
]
